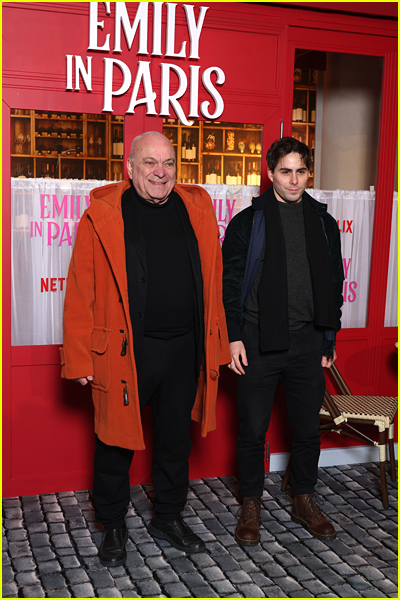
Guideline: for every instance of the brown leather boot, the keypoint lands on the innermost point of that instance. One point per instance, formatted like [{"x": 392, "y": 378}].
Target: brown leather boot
[
  {"x": 248, "y": 528},
  {"x": 307, "y": 512}
]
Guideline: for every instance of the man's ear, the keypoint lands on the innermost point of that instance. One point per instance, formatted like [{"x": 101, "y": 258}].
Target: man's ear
[
  {"x": 129, "y": 168},
  {"x": 270, "y": 175}
]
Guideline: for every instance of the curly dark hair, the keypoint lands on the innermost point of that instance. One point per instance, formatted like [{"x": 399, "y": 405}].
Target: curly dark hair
[{"x": 284, "y": 146}]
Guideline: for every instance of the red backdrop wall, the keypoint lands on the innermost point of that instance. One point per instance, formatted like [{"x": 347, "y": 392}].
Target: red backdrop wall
[{"x": 47, "y": 422}]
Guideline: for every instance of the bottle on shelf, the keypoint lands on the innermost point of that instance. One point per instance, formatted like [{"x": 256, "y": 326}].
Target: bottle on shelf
[
  {"x": 253, "y": 176},
  {"x": 188, "y": 152},
  {"x": 115, "y": 144},
  {"x": 213, "y": 174},
  {"x": 208, "y": 173},
  {"x": 17, "y": 170},
  {"x": 120, "y": 146},
  {"x": 304, "y": 111},
  {"x": 218, "y": 172},
  {"x": 238, "y": 174},
  {"x": 228, "y": 176},
  {"x": 183, "y": 148},
  {"x": 193, "y": 149},
  {"x": 231, "y": 177},
  {"x": 297, "y": 108},
  {"x": 248, "y": 178},
  {"x": 90, "y": 145}
]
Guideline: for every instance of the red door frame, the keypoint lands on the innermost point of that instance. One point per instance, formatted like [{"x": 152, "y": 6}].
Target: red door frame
[
  {"x": 386, "y": 48},
  {"x": 376, "y": 340}
]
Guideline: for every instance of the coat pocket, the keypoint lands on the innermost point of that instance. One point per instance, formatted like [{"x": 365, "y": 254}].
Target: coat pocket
[{"x": 101, "y": 358}]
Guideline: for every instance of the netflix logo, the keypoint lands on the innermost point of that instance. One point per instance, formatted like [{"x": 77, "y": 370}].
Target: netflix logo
[
  {"x": 52, "y": 284},
  {"x": 345, "y": 226}
]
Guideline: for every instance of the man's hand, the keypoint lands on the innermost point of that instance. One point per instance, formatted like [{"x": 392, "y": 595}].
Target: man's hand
[
  {"x": 238, "y": 352},
  {"x": 327, "y": 361},
  {"x": 84, "y": 380}
]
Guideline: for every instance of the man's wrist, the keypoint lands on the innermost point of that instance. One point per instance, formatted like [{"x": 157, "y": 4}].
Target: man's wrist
[{"x": 328, "y": 348}]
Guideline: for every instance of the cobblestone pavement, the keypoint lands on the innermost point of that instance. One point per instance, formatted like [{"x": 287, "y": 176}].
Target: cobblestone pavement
[{"x": 50, "y": 545}]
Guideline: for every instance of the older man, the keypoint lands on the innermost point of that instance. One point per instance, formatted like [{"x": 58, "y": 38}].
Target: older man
[{"x": 144, "y": 321}]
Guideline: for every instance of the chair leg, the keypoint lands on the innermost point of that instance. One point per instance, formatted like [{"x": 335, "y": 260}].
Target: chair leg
[
  {"x": 382, "y": 464},
  {"x": 286, "y": 477},
  {"x": 391, "y": 453}
]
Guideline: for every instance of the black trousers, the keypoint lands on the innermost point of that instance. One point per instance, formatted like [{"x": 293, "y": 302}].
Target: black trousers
[
  {"x": 168, "y": 378},
  {"x": 301, "y": 373}
]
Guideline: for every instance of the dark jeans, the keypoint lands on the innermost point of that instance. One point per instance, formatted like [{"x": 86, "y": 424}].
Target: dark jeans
[
  {"x": 168, "y": 378},
  {"x": 301, "y": 373}
]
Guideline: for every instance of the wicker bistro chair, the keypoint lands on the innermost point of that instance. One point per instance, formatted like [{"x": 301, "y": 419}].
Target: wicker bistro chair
[{"x": 347, "y": 414}]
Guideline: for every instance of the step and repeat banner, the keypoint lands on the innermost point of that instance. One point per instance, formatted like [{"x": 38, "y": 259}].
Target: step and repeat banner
[{"x": 46, "y": 214}]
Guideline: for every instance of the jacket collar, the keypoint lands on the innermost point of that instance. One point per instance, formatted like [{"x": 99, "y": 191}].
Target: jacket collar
[{"x": 258, "y": 202}]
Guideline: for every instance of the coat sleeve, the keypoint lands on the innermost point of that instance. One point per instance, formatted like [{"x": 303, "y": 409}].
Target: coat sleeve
[
  {"x": 335, "y": 253},
  {"x": 225, "y": 354},
  {"x": 78, "y": 318},
  {"x": 337, "y": 267},
  {"x": 234, "y": 251}
]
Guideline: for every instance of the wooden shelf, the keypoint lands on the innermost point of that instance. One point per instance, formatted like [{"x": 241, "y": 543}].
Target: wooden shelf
[
  {"x": 72, "y": 130},
  {"x": 225, "y": 163},
  {"x": 305, "y": 95}
]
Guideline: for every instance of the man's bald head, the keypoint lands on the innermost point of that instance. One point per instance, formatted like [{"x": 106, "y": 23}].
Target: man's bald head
[{"x": 152, "y": 166}]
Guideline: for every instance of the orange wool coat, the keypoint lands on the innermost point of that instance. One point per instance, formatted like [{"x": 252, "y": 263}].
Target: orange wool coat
[{"x": 96, "y": 311}]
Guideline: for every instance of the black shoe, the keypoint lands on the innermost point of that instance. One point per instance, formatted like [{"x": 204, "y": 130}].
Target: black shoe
[
  {"x": 177, "y": 533},
  {"x": 112, "y": 552}
]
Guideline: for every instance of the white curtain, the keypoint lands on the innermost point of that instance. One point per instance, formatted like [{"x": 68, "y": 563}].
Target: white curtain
[
  {"x": 228, "y": 200},
  {"x": 46, "y": 212},
  {"x": 41, "y": 248},
  {"x": 391, "y": 290},
  {"x": 354, "y": 213}
]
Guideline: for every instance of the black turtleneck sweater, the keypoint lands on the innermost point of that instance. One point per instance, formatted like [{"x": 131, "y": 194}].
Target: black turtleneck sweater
[{"x": 170, "y": 298}]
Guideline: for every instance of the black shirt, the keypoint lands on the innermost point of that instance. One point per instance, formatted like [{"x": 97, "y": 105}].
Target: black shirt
[
  {"x": 170, "y": 297},
  {"x": 300, "y": 293}
]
